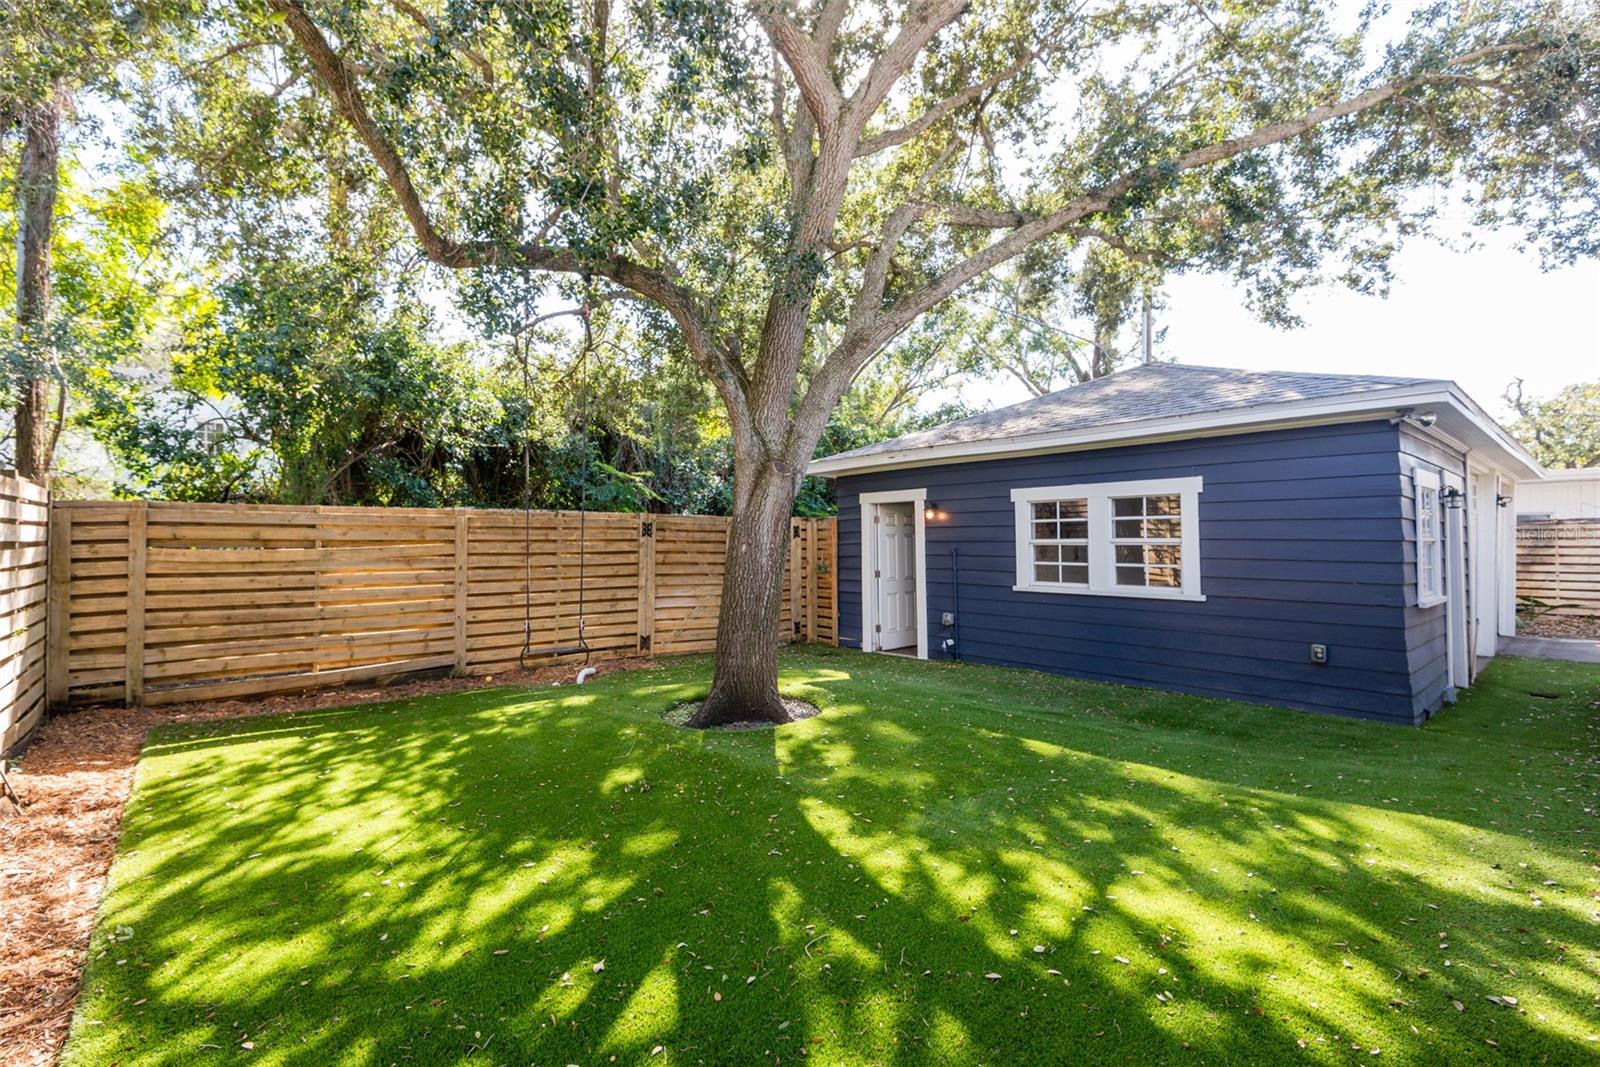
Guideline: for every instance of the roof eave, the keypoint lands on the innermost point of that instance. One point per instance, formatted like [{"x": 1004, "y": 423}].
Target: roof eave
[{"x": 1486, "y": 432}]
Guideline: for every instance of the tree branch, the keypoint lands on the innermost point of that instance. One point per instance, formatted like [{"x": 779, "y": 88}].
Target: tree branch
[
  {"x": 654, "y": 284},
  {"x": 427, "y": 22},
  {"x": 899, "y": 56},
  {"x": 867, "y": 333},
  {"x": 938, "y": 112},
  {"x": 810, "y": 69}
]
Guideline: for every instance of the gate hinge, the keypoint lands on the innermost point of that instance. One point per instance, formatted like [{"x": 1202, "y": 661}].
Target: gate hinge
[
  {"x": 794, "y": 531},
  {"x": 797, "y": 629},
  {"x": 647, "y": 529},
  {"x": 877, "y": 628},
  {"x": 644, "y": 642}
]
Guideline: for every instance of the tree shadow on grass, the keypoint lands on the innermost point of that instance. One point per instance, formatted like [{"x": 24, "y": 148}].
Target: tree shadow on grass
[{"x": 556, "y": 876}]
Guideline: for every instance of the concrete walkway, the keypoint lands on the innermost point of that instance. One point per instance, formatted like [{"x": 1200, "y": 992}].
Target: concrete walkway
[{"x": 1565, "y": 648}]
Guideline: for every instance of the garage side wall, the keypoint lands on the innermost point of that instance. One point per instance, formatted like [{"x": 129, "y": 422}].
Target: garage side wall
[{"x": 1302, "y": 541}]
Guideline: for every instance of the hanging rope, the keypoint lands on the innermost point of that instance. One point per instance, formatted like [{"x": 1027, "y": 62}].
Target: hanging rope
[{"x": 529, "y": 652}]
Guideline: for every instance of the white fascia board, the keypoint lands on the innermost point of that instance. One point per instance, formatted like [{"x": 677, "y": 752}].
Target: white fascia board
[
  {"x": 1572, "y": 474},
  {"x": 1515, "y": 460}
]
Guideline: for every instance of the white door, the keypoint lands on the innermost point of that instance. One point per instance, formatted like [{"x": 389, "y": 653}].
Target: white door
[{"x": 897, "y": 576}]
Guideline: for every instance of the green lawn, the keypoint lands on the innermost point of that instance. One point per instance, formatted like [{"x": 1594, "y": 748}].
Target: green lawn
[{"x": 952, "y": 863}]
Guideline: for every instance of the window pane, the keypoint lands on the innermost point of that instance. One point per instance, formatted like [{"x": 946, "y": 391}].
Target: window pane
[
  {"x": 1163, "y": 528},
  {"x": 1046, "y": 572},
  {"x": 1046, "y": 553},
  {"x": 1130, "y": 553},
  {"x": 1074, "y": 509},
  {"x": 1165, "y": 577},
  {"x": 1130, "y": 575},
  {"x": 1128, "y": 505},
  {"x": 1075, "y": 531},
  {"x": 1128, "y": 528},
  {"x": 1075, "y": 575},
  {"x": 1044, "y": 509},
  {"x": 1045, "y": 531},
  {"x": 1162, "y": 505},
  {"x": 1075, "y": 553},
  {"x": 1166, "y": 555}
]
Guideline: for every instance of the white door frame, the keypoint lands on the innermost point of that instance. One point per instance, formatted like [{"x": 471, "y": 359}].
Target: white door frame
[{"x": 917, "y": 498}]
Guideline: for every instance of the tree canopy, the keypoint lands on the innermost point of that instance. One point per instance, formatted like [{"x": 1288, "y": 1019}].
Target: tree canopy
[{"x": 1562, "y": 430}]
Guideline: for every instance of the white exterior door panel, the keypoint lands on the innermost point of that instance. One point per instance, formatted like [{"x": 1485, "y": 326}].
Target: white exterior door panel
[{"x": 897, "y": 576}]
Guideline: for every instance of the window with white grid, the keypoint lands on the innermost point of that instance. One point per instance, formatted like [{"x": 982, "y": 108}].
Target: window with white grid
[
  {"x": 1059, "y": 537},
  {"x": 1110, "y": 538}
]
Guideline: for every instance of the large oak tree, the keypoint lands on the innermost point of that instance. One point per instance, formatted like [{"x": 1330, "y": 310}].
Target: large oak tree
[{"x": 794, "y": 184}]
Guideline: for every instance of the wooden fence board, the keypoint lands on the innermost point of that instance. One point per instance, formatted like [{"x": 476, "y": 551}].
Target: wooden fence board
[
  {"x": 171, "y": 601},
  {"x": 26, "y": 607},
  {"x": 1558, "y": 562}
]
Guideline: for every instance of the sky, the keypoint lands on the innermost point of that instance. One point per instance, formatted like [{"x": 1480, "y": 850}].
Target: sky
[{"x": 1480, "y": 318}]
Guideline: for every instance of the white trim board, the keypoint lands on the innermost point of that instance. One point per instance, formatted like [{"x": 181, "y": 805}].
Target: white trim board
[
  {"x": 917, "y": 498},
  {"x": 1459, "y": 420}
]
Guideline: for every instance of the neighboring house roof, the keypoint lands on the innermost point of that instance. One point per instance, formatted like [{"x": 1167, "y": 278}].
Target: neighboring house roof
[{"x": 1174, "y": 400}]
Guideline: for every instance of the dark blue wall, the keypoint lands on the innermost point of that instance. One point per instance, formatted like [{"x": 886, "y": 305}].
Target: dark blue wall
[{"x": 1302, "y": 540}]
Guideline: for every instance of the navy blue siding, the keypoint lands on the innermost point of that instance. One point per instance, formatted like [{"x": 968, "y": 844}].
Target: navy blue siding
[
  {"x": 1427, "y": 629},
  {"x": 1302, "y": 540}
]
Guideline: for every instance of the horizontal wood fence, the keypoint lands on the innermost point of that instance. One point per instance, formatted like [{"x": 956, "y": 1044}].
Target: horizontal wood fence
[
  {"x": 167, "y": 602},
  {"x": 1559, "y": 562},
  {"x": 24, "y": 578}
]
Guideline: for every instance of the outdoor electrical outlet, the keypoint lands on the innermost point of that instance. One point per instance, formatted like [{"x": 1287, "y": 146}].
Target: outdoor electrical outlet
[
  {"x": 1319, "y": 653},
  {"x": 947, "y": 619}
]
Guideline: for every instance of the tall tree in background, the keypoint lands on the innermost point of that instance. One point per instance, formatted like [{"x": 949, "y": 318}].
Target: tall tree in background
[
  {"x": 51, "y": 50},
  {"x": 37, "y": 177},
  {"x": 1563, "y": 431},
  {"x": 794, "y": 185}
]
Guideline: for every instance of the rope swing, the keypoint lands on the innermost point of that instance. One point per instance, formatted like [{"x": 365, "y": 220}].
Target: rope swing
[{"x": 580, "y": 371}]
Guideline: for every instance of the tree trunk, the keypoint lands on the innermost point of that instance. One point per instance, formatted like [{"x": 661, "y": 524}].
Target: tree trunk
[
  {"x": 745, "y": 685},
  {"x": 37, "y": 177}
]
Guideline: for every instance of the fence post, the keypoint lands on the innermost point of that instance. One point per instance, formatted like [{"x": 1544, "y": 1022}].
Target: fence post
[
  {"x": 833, "y": 577},
  {"x": 461, "y": 591},
  {"x": 796, "y": 549},
  {"x": 812, "y": 552},
  {"x": 58, "y": 549},
  {"x": 138, "y": 553},
  {"x": 647, "y": 583}
]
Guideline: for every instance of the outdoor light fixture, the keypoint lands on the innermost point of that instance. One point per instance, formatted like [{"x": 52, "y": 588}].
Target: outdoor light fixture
[
  {"x": 1423, "y": 420},
  {"x": 1501, "y": 500},
  {"x": 1452, "y": 497},
  {"x": 930, "y": 510}
]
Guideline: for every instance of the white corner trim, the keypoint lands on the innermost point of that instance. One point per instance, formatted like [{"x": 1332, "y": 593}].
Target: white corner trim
[
  {"x": 869, "y": 603},
  {"x": 1102, "y": 547}
]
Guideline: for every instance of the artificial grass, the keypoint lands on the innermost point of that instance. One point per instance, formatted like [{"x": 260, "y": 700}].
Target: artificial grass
[{"x": 952, "y": 863}]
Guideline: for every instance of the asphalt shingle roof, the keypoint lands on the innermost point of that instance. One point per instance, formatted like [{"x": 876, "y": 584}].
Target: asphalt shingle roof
[{"x": 1149, "y": 391}]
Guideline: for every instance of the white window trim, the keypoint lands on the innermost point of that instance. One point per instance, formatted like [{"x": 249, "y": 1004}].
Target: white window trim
[
  {"x": 868, "y": 502},
  {"x": 1102, "y": 554},
  {"x": 1426, "y": 480}
]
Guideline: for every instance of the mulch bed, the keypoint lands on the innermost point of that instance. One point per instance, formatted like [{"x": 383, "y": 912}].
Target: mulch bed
[
  {"x": 74, "y": 780},
  {"x": 1582, "y": 627},
  {"x": 680, "y": 714}
]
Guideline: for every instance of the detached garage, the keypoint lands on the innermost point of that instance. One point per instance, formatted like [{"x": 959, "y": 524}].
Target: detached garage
[{"x": 1339, "y": 543}]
